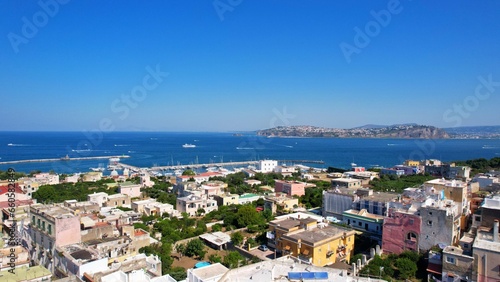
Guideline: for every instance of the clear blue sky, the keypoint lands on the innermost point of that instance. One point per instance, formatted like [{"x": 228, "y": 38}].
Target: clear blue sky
[{"x": 236, "y": 69}]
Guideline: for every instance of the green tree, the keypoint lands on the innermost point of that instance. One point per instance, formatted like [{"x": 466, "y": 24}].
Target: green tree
[
  {"x": 180, "y": 248},
  {"x": 214, "y": 258},
  {"x": 237, "y": 238},
  {"x": 178, "y": 273},
  {"x": 232, "y": 259},
  {"x": 195, "y": 247},
  {"x": 188, "y": 172},
  {"x": 251, "y": 242},
  {"x": 407, "y": 268},
  {"x": 247, "y": 215},
  {"x": 216, "y": 227},
  {"x": 200, "y": 212}
]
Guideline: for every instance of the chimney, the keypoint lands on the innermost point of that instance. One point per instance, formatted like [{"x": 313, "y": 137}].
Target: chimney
[{"x": 495, "y": 230}]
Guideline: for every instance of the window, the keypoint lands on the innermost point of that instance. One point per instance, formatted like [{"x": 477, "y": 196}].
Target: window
[
  {"x": 411, "y": 221},
  {"x": 43, "y": 225},
  {"x": 411, "y": 236},
  {"x": 466, "y": 246},
  {"x": 33, "y": 220},
  {"x": 38, "y": 223},
  {"x": 450, "y": 259},
  {"x": 430, "y": 213},
  {"x": 477, "y": 218},
  {"x": 49, "y": 230},
  {"x": 429, "y": 222}
]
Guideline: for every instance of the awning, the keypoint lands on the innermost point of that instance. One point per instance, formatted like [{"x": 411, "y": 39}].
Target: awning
[{"x": 434, "y": 268}]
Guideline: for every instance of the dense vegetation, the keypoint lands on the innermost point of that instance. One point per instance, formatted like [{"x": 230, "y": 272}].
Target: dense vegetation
[
  {"x": 403, "y": 266},
  {"x": 391, "y": 183},
  {"x": 176, "y": 229},
  {"x": 331, "y": 169},
  {"x": 160, "y": 192},
  {"x": 236, "y": 181},
  {"x": 72, "y": 191},
  {"x": 481, "y": 165},
  {"x": 313, "y": 197},
  {"x": 4, "y": 175}
]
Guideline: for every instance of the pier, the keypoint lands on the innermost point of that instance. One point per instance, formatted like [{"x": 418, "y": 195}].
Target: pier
[
  {"x": 220, "y": 164},
  {"x": 65, "y": 159}
]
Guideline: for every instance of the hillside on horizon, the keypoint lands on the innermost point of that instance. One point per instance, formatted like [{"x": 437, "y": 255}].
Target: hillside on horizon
[{"x": 395, "y": 131}]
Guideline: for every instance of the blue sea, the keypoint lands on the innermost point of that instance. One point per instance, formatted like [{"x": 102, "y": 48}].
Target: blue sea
[{"x": 148, "y": 149}]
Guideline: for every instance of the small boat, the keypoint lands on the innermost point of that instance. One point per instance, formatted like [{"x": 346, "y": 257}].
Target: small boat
[
  {"x": 96, "y": 169},
  {"x": 353, "y": 164},
  {"x": 188, "y": 146}
]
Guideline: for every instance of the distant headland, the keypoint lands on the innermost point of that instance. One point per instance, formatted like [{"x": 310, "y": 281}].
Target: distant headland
[{"x": 403, "y": 131}]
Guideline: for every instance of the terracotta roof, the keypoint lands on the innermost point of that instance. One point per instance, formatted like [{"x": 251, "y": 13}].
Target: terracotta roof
[
  {"x": 5, "y": 188},
  {"x": 18, "y": 203},
  {"x": 139, "y": 232}
]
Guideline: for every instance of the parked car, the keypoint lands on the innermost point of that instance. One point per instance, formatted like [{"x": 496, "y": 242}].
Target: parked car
[{"x": 263, "y": 248}]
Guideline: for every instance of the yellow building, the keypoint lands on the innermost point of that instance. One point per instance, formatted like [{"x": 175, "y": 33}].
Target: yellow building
[
  {"x": 411, "y": 163},
  {"x": 281, "y": 202},
  {"x": 317, "y": 243},
  {"x": 227, "y": 199}
]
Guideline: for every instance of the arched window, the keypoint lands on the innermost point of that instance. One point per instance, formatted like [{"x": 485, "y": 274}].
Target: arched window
[{"x": 411, "y": 236}]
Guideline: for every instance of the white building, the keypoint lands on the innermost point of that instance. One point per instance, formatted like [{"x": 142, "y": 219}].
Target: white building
[
  {"x": 485, "y": 180},
  {"x": 99, "y": 198},
  {"x": 266, "y": 166},
  {"x": 210, "y": 273},
  {"x": 46, "y": 178},
  {"x": 72, "y": 178},
  {"x": 191, "y": 204}
]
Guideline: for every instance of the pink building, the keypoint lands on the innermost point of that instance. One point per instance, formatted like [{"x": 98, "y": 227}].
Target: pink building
[
  {"x": 51, "y": 226},
  {"x": 290, "y": 187},
  {"x": 358, "y": 169},
  {"x": 401, "y": 231}
]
